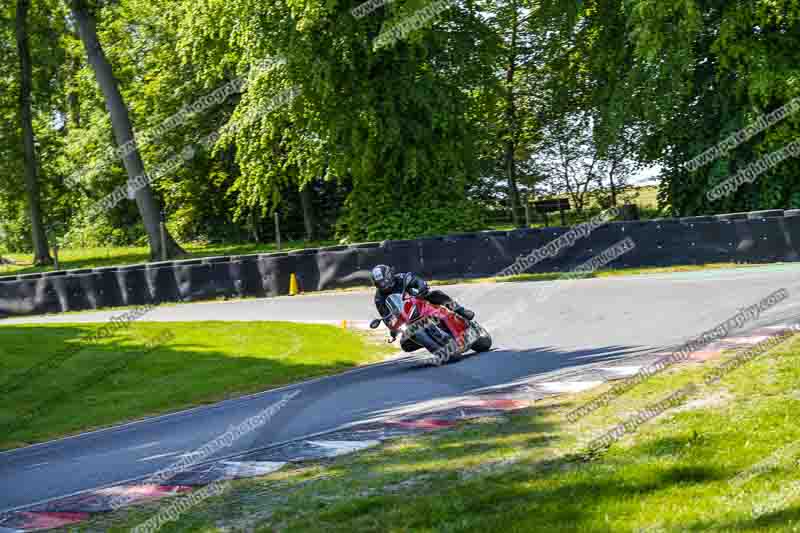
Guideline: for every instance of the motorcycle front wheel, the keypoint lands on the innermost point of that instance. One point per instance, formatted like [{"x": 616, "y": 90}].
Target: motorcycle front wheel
[{"x": 484, "y": 342}]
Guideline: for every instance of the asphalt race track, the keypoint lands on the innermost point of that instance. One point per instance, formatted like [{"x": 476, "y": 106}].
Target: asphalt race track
[{"x": 573, "y": 324}]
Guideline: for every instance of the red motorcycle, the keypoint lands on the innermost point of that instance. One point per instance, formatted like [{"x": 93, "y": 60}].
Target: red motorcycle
[{"x": 436, "y": 328}]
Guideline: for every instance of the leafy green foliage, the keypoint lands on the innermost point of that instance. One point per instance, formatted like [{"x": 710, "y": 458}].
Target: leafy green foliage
[
  {"x": 425, "y": 222},
  {"x": 411, "y": 139}
]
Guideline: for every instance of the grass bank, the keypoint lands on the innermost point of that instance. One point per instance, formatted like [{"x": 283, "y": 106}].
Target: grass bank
[
  {"x": 725, "y": 460},
  {"x": 152, "y": 368},
  {"x": 130, "y": 255},
  {"x": 645, "y": 197},
  {"x": 603, "y": 273}
]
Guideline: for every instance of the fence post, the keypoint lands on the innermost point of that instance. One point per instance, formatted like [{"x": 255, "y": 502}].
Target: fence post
[
  {"x": 277, "y": 231},
  {"x": 163, "y": 233}
]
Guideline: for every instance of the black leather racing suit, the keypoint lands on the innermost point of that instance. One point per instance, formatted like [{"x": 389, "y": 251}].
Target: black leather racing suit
[{"x": 411, "y": 281}]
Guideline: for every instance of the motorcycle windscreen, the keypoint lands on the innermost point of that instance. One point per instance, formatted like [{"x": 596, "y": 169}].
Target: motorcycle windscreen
[{"x": 395, "y": 304}]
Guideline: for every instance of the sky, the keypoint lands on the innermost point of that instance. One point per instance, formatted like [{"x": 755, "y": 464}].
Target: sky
[{"x": 648, "y": 176}]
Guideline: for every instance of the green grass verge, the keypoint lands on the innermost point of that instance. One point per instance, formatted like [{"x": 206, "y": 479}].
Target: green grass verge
[
  {"x": 604, "y": 273},
  {"x": 676, "y": 473},
  {"x": 671, "y": 269},
  {"x": 120, "y": 378},
  {"x": 128, "y": 255},
  {"x": 645, "y": 197}
]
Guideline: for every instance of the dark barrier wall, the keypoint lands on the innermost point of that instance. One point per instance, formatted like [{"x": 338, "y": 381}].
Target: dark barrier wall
[{"x": 763, "y": 236}]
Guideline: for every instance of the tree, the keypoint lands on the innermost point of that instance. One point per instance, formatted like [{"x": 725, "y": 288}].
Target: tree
[
  {"x": 508, "y": 102},
  {"x": 306, "y": 201},
  {"x": 41, "y": 249},
  {"x": 567, "y": 159},
  {"x": 618, "y": 163},
  {"x": 692, "y": 73},
  {"x": 123, "y": 130},
  {"x": 512, "y": 135},
  {"x": 392, "y": 122},
  {"x": 471, "y": 109}
]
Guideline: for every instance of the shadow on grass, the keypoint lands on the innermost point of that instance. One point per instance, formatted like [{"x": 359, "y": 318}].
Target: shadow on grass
[
  {"x": 767, "y": 522},
  {"x": 125, "y": 378},
  {"x": 121, "y": 379},
  {"x": 548, "y": 494},
  {"x": 645, "y": 485},
  {"x": 782, "y": 520}
]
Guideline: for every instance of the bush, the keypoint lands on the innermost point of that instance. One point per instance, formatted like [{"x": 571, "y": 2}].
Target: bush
[
  {"x": 15, "y": 235},
  {"x": 100, "y": 232},
  {"x": 425, "y": 222}
]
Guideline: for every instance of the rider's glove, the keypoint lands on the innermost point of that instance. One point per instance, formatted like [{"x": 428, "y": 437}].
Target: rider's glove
[
  {"x": 393, "y": 333},
  {"x": 423, "y": 288}
]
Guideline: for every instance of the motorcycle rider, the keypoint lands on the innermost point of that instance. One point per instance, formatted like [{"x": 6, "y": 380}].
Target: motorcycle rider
[{"x": 387, "y": 282}]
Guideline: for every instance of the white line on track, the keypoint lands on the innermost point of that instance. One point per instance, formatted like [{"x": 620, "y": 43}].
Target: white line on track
[
  {"x": 569, "y": 386},
  {"x": 159, "y": 456},
  {"x": 143, "y": 446},
  {"x": 621, "y": 370}
]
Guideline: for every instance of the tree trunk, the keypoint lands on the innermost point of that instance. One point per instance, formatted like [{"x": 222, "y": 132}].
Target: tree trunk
[
  {"x": 149, "y": 208},
  {"x": 511, "y": 120},
  {"x": 613, "y": 190},
  {"x": 254, "y": 227},
  {"x": 308, "y": 212},
  {"x": 41, "y": 249},
  {"x": 512, "y": 184},
  {"x": 74, "y": 114},
  {"x": 73, "y": 100},
  {"x": 612, "y": 185}
]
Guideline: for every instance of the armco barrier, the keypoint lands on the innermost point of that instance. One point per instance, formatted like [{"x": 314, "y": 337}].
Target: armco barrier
[
  {"x": 760, "y": 236},
  {"x": 244, "y": 276},
  {"x": 133, "y": 285},
  {"x": 107, "y": 286},
  {"x": 405, "y": 256},
  {"x": 162, "y": 283},
  {"x": 55, "y": 293},
  {"x": 76, "y": 297},
  {"x": 306, "y": 269},
  {"x": 275, "y": 270},
  {"x": 495, "y": 248},
  {"x": 789, "y": 227},
  {"x": 438, "y": 257},
  {"x": 221, "y": 284},
  {"x": 338, "y": 268},
  {"x": 194, "y": 280}
]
